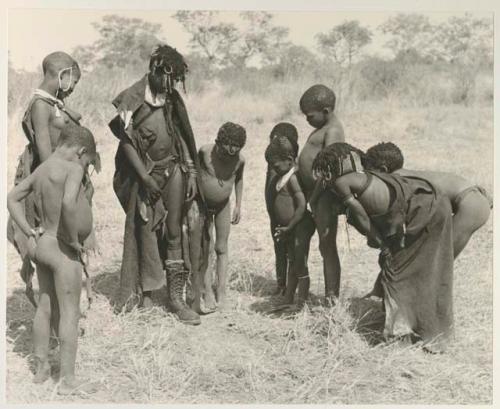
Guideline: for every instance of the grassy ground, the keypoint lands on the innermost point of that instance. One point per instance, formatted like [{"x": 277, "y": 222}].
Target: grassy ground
[{"x": 247, "y": 355}]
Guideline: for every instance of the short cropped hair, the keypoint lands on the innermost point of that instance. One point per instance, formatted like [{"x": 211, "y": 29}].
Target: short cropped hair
[
  {"x": 57, "y": 61},
  {"x": 317, "y": 98},
  {"x": 231, "y": 134},
  {"x": 330, "y": 159},
  {"x": 289, "y": 131},
  {"x": 280, "y": 148},
  {"x": 76, "y": 135},
  {"x": 384, "y": 154}
]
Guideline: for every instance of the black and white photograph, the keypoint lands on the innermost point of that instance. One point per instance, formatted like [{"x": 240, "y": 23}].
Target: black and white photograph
[{"x": 264, "y": 205}]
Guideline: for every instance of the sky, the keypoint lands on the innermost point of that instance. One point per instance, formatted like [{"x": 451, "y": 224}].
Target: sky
[{"x": 34, "y": 33}]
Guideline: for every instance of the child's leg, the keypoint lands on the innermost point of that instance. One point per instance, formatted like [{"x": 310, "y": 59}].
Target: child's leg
[
  {"x": 222, "y": 227},
  {"x": 208, "y": 291},
  {"x": 472, "y": 212},
  {"x": 326, "y": 224},
  {"x": 303, "y": 233},
  {"x": 41, "y": 322},
  {"x": 68, "y": 284},
  {"x": 281, "y": 261},
  {"x": 291, "y": 282}
]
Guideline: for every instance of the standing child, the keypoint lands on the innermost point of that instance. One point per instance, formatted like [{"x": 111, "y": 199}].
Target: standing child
[
  {"x": 318, "y": 105},
  {"x": 56, "y": 246},
  {"x": 290, "y": 132},
  {"x": 293, "y": 224},
  {"x": 221, "y": 168}
]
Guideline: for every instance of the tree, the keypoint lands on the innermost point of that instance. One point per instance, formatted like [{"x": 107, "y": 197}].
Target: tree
[
  {"x": 261, "y": 37},
  {"x": 344, "y": 42},
  {"x": 465, "y": 38},
  {"x": 122, "y": 41},
  {"x": 226, "y": 45},
  {"x": 408, "y": 32},
  {"x": 295, "y": 61},
  {"x": 467, "y": 43},
  {"x": 209, "y": 37}
]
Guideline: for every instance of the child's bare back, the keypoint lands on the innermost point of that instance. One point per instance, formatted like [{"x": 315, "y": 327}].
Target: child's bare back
[
  {"x": 49, "y": 181},
  {"x": 448, "y": 184}
]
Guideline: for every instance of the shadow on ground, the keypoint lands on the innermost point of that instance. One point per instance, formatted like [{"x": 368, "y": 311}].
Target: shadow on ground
[
  {"x": 369, "y": 318},
  {"x": 368, "y": 314}
]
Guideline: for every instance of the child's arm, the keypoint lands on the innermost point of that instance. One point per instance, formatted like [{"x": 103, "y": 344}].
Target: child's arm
[
  {"x": 318, "y": 189},
  {"x": 357, "y": 211},
  {"x": 40, "y": 116},
  {"x": 69, "y": 210},
  {"x": 238, "y": 189},
  {"x": 16, "y": 207},
  {"x": 146, "y": 179},
  {"x": 300, "y": 206},
  {"x": 191, "y": 188}
]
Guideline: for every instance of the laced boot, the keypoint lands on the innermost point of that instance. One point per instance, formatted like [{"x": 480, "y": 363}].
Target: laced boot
[
  {"x": 189, "y": 286},
  {"x": 176, "y": 279}
]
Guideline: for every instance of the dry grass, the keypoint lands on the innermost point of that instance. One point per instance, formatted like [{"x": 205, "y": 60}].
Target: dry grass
[{"x": 324, "y": 355}]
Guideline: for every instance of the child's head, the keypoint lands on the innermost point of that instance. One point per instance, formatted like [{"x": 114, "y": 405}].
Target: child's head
[
  {"x": 231, "y": 138},
  {"x": 289, "y": 131},
  {"x": 82, "y": 141},
  {"x": 336, "y": 160},
  {"x": 384, "y": 157},
  {"x": 63, "y": 70},
  {"x": 280, "y": 155},
  {"x": 166, "y": 67},
  {"x": 317, "y": 103}
]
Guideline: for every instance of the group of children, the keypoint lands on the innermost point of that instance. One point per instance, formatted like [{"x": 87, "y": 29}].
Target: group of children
[{"x": 419, "y": 220}]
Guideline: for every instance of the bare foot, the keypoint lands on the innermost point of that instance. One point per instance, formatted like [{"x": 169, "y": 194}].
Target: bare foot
[
  {"x": 209, "y": 300},
  {"x": 76, "y": 386},
  {"x": 42, "y": 372},
  {"x": 147, "y": 303}
]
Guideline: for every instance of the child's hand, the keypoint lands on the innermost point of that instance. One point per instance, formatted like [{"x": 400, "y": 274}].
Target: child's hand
[
  {"x": 33, "y": 240},
  {"x": 236, "y": 215},
  {"x": 280, "y": 232},
  {"x": 385, "y": 257},
  {"x": 192, "y": 189},
  {"x": 77, "y": 247},
  {"x": 152, "y": 188}
]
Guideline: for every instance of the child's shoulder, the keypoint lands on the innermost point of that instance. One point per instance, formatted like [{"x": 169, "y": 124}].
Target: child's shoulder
[
  {"x": 41, "y": 107},
  {"x": 293, "y": 183},
  {"x": 207, "y": 148},
  {"x": 242, "y": 158},
  {"x": 335, "y": 130}
]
